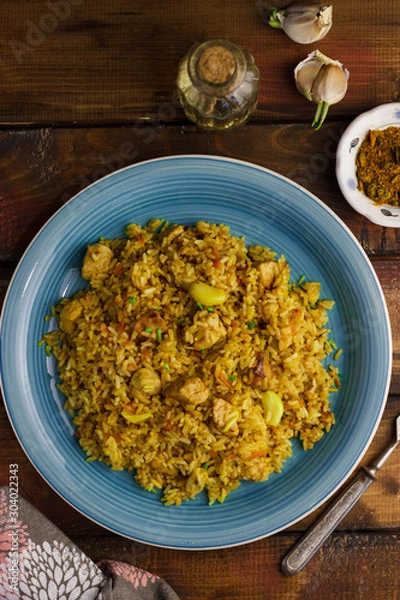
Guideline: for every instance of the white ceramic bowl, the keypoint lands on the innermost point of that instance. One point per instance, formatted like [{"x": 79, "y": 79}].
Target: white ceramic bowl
[{"x": 380, "y": 117}]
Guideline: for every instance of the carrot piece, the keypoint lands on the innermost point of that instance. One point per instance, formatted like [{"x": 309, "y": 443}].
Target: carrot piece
[
  {"x": 119, "y": 269},
  {"x": 336, "y": 379},
  {"x": 226, "y": 383},
  {"x": 256, "y": 454},
  {"x": 217, "y": 262},
  {"x": 295, "y": 320}
]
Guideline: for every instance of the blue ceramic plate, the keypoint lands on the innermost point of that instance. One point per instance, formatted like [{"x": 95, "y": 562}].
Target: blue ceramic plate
[
  {"x": 379, "y": 117},
  {"x": 265, "y": 208}
]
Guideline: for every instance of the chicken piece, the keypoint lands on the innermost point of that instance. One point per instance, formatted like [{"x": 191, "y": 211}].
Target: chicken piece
[
  {"x": 225, "y": 416},
  {"x": 256, "y": 471},
  {"x": 161, "y": 463},
  {"x": 267, "y": 272},
  {"x": 69, "y": 314},
  {"x": 171, "y": 233},
  {"x": 196, "y": 481},
  {"x": 254, "y": 462},
  {"x": 207, "y": 331},
  {"x": 189, "y": 390},
  {"x": 261, "y": 372},
  {"x": 150, "y": 322},
  {"x": 147, "y": 381},
  {"x": 261, "y": 364},
  {"x": 97, "y": 260}
]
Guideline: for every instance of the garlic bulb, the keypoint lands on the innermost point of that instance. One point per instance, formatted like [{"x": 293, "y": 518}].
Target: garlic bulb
[
  {"x": 304, "y": 24},
  {"x": 321, "y": 80}
]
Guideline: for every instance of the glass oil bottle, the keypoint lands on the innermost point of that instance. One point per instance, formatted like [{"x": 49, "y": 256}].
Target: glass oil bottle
[{"x": 218, "y": 84}]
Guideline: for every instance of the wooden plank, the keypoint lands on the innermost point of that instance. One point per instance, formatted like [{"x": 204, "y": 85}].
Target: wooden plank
[
  {"x": 5, "y": 278},
  {"x": 349, "y": 566},
  {"x": 84, "y": 61},
  {"x": 40, "y": 169}
]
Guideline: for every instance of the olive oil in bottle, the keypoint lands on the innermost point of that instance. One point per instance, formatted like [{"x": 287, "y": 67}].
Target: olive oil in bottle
[{"x": 218, "y": 84}]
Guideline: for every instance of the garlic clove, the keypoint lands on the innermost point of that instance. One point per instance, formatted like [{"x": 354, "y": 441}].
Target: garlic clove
[
  {"x": 303, "y": 24},
  {"x": 329, "y": 88},
  {"x": 330, "y": 85},
  {"x": 323, "y": 81},
  {"x": 305, "y": 75}
]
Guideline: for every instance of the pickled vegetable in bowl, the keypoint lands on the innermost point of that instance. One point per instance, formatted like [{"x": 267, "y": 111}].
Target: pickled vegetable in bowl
[
  {"x": 366, "y": 164},
  {"x": 378, "y": 166}
]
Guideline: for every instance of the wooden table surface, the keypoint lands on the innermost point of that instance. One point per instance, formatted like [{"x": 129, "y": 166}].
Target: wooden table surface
[{"x": 88, "y": 87}]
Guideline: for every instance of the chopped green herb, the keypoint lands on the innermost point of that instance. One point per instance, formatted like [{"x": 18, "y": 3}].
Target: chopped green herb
[
  {"x": 338, "y": 354},
  {"x": 166, "y": 367},
  {"x": 301, "y": 280},
  {"x": 159, "y": 334},
  {"x": 251, "y": 325},
  {"x": 199, "y": 306},
  {"x": 232, "y": 377},
  {"x": 40, "y": 343},
  {"x": 181, "y": 320},
  {"x": 48, "y": 350},
  {"x": 205, "y": 466},
  {"x": 210, "y": 308},
  {"x": 132, "y": 300},
  {"x": 149, "y": 329},
  {"x": 158, "y": 308},
  {"x": 202, "y": 351}
]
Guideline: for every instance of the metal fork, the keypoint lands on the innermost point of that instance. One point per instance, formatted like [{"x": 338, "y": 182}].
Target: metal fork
[{"x": 313, "y": 539}]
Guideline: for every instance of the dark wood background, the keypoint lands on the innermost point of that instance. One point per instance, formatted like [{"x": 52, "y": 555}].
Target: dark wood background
[{"x": 88, "y": 87}]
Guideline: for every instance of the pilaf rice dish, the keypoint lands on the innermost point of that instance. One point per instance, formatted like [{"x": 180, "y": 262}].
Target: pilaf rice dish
[{"x": 192, "y": 359}]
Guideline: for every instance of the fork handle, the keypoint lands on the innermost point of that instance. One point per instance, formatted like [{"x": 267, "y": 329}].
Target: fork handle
[{"x": 313, "y": 539}]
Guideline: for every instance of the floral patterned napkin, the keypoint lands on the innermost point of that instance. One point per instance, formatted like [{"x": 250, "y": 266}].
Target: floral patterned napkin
[{"x": 38, "y": 562}]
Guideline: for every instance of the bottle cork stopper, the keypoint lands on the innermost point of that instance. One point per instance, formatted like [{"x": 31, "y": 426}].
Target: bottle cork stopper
[{"x": 216, "y": 64}]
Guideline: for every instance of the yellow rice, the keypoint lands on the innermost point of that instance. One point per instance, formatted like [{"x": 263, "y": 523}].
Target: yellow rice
[{"x": 274, "y": 338}]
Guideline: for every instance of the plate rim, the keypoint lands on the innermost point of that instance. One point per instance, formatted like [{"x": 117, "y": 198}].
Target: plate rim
[{"x": 289, "y": 182}]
